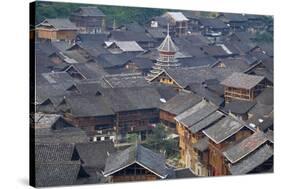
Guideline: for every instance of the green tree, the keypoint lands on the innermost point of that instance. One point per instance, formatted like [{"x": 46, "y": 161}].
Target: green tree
[
  {"x": 122, "y": 15},
  {"x": 159, "y": 141},
  {"x": 264, "y": 37}
]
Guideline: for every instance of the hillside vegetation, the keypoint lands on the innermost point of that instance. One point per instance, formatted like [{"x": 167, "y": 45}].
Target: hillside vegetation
[{"x": 120, "y": 14}]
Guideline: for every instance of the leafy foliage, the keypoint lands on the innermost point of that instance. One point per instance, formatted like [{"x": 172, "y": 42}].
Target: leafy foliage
[
  {"x": 122, "y": 15},
  {"x": 132, "y": 138},
  {"x": 159, "y": 141},
  {"x": 264, "y": 37}
]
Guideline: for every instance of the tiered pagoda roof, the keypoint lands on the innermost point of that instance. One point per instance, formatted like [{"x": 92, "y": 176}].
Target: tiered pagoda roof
[
  {"x": 166, "y": 59},
  {"x": 168, "y": 45}
]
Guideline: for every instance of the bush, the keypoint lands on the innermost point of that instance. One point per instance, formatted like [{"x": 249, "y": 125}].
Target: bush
[{"x": 158, "y": 142}]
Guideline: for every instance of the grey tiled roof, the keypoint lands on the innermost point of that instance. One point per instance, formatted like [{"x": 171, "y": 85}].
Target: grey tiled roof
[
  {"x": 185, "y": 76},
  {"x": 205, "y": 92},
  {"x": 125, "y": 80},
  {"x": 266, "y": 124},
  {"x": 56, "y": 173},
  {"x": 127, "y": 46},
  {"x": 241, "y": 80},
  {"x": 142, "y": 63},
  {"x": 150, "y": 160},
  {"x": 238, "y": 107},
  {"x": 111, "y": 100},
  {"x": 198, "y": 61},
  {"x": 266, "y": 96},
  {"x": 59, "y": 23},
  {"x": 213, "y": 23},
  {"x": 57, "y": 77},
  {"x": 90, "y": 71},
  {"x": 138, "y": 36},
  {"x": 207, "y": 121},
  {"x": 236, "y": 64},
  {"x": 134, "y": 98},
  {"x": 223, "y": 129},
  {"x": 45, "y": 120},
  {"x": 88, "y": 105},
  {"x": 196, "y": 113},
  {"x": 260, "y": 110},
  {"x": 252, "y": 161},
  {"x": 248, "y": 145},
  {"x": 94, "y": 154},
  {"x": 157, "y": 33},
  {"x": 53, "y": 152},
  {"x": 60, "y": 136},
  {"x": 184, "y": 173},
  {"x": 180, "y": 103},
  {"x": 115, "y": 60}
]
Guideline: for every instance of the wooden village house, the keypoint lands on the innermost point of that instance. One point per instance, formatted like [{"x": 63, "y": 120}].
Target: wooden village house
[
  {"x": 213, "y": 29},
  {"x": 56, "y": 29},
  {"x": 120, "y": 111},
  {"x": 243, "y": 86},
  {"x": 205, "y": 132},
  {"x": 223, "y": 134},
  {"x": 89, "y": 19},
  {"x": 251, "y": 155},
  {"x": 237, "y": 22},
  {"x": 178, "y": 23},
  {"x": 192, "y": 142},
  {"x": 175, "y": 106}
]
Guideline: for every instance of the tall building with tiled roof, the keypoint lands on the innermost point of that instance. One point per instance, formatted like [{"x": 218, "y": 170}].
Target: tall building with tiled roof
[{"x": 166, "y": 59}]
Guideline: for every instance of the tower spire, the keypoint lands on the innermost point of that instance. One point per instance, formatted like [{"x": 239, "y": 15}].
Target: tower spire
[{"x": 168, "y": 29}]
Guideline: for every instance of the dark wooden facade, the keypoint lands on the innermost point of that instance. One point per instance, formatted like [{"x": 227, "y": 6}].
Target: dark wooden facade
[
  {"x": 190, "y": 157},
  {"x": 138, "y": 121},
  {"x": 93, "y": 125},
  {"x": 243, "y": 94},
  {"x": 210, "y": 160},
  {"x": 242, "y": 86},
  {"x": 217, "y": 164},
  {"x": 88, "y": 23},
  {"x": 119, "y": 124},
  {"x": 168, "y": 119}
]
